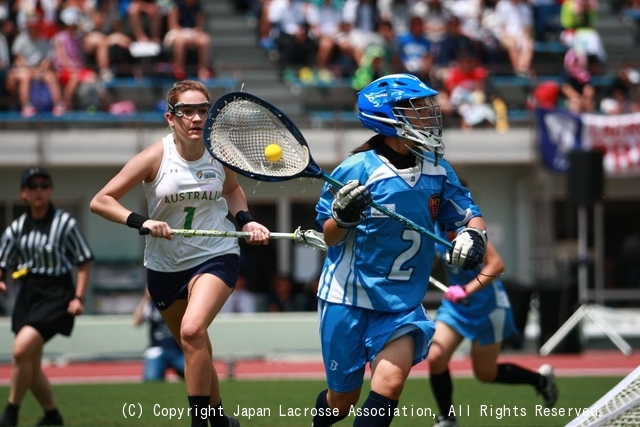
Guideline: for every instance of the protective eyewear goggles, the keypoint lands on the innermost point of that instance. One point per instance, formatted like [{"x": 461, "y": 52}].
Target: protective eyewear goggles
[
  {"x": 36, "y": 185},
  {"x": 189, "y": 110}
]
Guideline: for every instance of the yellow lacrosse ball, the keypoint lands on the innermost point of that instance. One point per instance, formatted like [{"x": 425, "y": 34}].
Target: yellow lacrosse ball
[{"x": 273, "y": 152}]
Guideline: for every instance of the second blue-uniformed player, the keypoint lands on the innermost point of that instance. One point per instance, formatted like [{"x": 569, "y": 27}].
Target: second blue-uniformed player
[
  {"x": 376, "y": 271},
  {"x": 486, "y": 320}
]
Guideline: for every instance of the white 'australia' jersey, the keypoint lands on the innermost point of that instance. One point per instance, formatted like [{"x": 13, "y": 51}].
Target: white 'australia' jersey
[{"x": 187, "y": 195}]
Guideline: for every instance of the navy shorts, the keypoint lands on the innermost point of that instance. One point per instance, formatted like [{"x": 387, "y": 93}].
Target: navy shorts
[{"x": 165, "y": 288}]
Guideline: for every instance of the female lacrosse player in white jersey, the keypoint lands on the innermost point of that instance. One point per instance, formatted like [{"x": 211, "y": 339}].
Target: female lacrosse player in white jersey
[
  {"x": 376, "y": 271},
  {"x": 486, "y": 320},
  {"x": 189, "y": 279}
]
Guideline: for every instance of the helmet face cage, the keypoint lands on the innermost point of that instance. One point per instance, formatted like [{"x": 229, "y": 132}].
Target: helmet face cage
[
  {"x": 403, "y": 106},
  {"x": 421, "y": 121}
]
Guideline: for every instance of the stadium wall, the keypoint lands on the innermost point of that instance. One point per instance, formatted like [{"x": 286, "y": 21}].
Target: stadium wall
[{"x": 257, "y": 335}]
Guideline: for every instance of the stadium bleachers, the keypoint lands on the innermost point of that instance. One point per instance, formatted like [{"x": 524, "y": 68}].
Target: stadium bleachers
[{"x": 240, "y": 62}]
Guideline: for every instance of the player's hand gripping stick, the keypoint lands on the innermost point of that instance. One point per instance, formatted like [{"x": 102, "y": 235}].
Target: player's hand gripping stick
[
  {"x": 456, "y": 293},
  {"x": 349, "y": 204},
  {"x": 468, "y": 249}
]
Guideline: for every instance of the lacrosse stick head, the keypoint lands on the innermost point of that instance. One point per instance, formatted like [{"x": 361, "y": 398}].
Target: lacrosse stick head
[
  {"x": 239, "y": 128},
  {"x": 313, "y": 238},
  {"x": 401, "y": 105}
]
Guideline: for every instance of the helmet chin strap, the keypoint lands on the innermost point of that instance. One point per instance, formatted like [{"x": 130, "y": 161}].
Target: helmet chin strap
[{"x": 407, "y": 132}]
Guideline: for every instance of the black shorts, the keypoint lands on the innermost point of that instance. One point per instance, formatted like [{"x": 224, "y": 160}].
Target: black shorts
[
  {"x": 42, "y": 303},
  {"x": 165, "y": 288}
]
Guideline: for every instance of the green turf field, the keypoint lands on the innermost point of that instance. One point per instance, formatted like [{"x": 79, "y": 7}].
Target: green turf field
[{"x": 95, "y": 405}]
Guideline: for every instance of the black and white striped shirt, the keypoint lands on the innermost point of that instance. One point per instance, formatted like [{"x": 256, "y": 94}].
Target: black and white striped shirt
[{"x": 51, "y": 246}]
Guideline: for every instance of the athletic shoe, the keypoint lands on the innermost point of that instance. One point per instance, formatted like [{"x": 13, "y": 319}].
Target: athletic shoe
[
  {"x": 55, "y": 420},
  {"x": 28, "y": 111},
  {"x": 58, "y": 110},
  {"x": 8, "y": 419},
  {"x": 233, "y": 422},
  {"x": 446, "y": 422},
  {"x": 550, "y": 391}
]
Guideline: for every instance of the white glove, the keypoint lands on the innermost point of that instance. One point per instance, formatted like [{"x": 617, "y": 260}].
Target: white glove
[
  {"x": 349, "y": 204},
  {"x": 469, "y": 247}
]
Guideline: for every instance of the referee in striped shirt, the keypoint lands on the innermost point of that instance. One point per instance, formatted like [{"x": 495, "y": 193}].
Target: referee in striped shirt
[{"x": 41, "y": 248}]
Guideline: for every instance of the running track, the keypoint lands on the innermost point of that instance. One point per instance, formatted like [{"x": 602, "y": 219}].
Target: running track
[{"x": 589, "y": 363}]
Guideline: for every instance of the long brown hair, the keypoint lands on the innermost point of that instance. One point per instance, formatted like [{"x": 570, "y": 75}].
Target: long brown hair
[{"x": 374, "y": 142}]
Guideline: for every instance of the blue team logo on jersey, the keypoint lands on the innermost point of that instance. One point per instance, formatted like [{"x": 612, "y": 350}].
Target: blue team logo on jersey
[
  {"x": 205, "y": 174},
  {"x": 434, "y": 206}
]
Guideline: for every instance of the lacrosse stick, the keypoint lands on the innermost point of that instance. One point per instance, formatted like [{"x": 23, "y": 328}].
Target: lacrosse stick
[
  {"x": 308, "y": 237},
  {"x": 241, "y": 131},
  {"x": 438, "y": 284}
]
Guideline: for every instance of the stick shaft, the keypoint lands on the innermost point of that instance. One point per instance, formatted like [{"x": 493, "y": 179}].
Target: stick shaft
[
  {"x": 438, "y": 284},
  {"x": 233, "y": 234}
]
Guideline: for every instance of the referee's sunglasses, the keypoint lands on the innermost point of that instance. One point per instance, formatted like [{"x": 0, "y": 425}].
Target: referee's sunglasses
[{"x": 36, "y": 185}]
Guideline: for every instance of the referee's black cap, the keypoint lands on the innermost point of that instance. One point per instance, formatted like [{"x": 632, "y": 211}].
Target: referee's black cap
[{"x": 34, "y": 171}]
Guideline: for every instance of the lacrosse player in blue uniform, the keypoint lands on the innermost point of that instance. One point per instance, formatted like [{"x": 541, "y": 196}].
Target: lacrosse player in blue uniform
[
  {"x": 486, "y": 320},
  {"x": 376, "y": 271}
]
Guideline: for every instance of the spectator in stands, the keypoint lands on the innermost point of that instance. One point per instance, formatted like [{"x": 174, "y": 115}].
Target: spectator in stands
[
  {"x": 631, "y": 13},
  {"x": 573, "y": 13},
  {"x": 586, "y": 39},
  {"x": 264, "y": 26},
  {"x": 68, "y": 57},
  {"x": 163, "y": 352},
  {"x": 546, "y": 20},
  {"x": 95, "y": 44},
  {"x": 545, "y": 95},
  {"x": 454, "y": 40},
  {"x": 105, "y": 20},
  {"x": 623, "y": 95},
  {"x": 32, "y": 79},
  {"x": 325, "y": 23},
  {"x": 5, "y": 61},
  {"x": 576, "y": 87},
  {"x": 153, "y": 14},
  {"x": 291, "y": 34},
  {"x": 241, "y": 299},
  {"x": 379, "y": 59},
  {"x": 399, "y": 13},
  {"x": 465, "y": 85},
  {"x": 435, "y": 25},
  {"x": 516, "y": 34},
  {"x": 309, "y": 299},
  {"x": 281, "y": 297},
  {"x": 361, "y": 18},
  {"x": 471, "y": 13},
  {"x": 415, "y": 51},
  {"x": 186, "y": 22},
  {"x": 46, "y": 10}
]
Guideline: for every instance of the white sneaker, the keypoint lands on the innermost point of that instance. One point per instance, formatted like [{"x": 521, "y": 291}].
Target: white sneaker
[
  {"x": 550, "y": 390},
  {"x": 106, "y": 75},
  {"x": 446, "y": 422}
]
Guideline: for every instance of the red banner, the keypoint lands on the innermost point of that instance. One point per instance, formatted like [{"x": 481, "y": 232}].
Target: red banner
[{"x": 619, "y": 137}]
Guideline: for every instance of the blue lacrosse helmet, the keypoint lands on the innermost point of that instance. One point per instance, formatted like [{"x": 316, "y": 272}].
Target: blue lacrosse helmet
[{"x": 401, "y": 105}]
